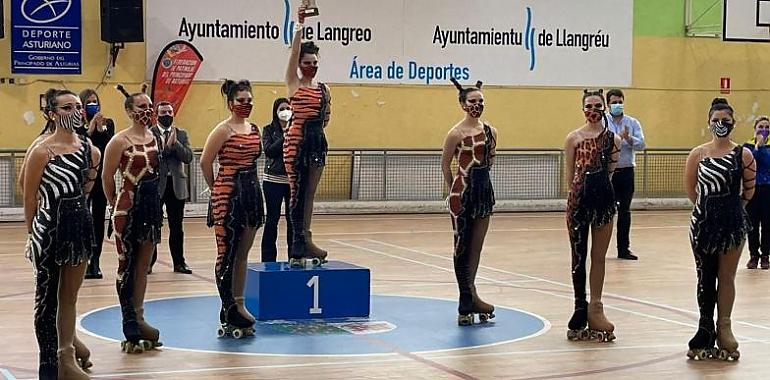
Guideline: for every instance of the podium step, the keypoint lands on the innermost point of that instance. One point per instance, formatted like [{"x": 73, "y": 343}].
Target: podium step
[{"x": 335, "y": 290}]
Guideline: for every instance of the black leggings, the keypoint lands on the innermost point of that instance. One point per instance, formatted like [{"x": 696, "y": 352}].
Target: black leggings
[{"x": 707, "y": 268}]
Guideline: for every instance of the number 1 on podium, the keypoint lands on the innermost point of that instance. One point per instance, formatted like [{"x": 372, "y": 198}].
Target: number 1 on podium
[{"x": 314, "y": 283}]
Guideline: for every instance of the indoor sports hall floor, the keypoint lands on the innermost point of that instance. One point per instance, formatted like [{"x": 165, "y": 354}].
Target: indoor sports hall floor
[{"x": 525, "y": 268}]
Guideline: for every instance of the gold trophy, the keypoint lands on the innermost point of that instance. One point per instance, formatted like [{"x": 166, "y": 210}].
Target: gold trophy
[{"x": 311, "y": 8}]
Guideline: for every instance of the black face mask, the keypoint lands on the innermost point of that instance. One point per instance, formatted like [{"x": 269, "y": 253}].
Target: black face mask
[{"x": 166, "y": 120}]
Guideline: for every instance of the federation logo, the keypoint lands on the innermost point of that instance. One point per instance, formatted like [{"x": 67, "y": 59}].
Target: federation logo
[{"x": 44, "y": 11}]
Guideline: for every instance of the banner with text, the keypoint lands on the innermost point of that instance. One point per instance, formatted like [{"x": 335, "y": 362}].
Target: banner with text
[
  {"x": 174, "y": 72},
  {"x": 502, "y": 42},
  {"x": 46, "y": 37}
]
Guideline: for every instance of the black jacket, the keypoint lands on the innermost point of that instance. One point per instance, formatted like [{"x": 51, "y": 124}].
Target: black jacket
[{"x": 272, "y": 144}]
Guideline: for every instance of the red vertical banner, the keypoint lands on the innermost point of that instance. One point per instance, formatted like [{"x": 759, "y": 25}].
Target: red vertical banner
[{"x": 174, "y": 72}]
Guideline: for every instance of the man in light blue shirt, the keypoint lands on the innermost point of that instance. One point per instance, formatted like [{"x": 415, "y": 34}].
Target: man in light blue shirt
[{"x": 631, "y": 133}]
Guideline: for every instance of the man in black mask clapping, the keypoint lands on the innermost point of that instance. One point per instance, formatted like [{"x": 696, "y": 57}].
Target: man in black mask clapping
[{"x": 176, "y": 152}]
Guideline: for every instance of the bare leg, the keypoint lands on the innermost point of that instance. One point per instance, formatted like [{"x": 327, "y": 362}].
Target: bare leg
[
  {"x": 69, "y": 285},
  {"x": 600, "y": 240},
  {"x": 479, "y": 228},
  {"x": 240, "y": 266},
  {"x": 313, "y": 179},
  {"x": 728, "y": 265},
  {"x": 143, "y": 259}
]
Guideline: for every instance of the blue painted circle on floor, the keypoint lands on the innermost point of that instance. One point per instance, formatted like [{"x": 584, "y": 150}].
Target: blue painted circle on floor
[{"x": 396, "y": 324}]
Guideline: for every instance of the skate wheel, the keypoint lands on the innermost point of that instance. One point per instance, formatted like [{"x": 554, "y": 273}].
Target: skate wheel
[
  {"x": 572, "y": 335},
  {"x": 221, "y": 332},
  {"x": 465, "y": 320},
  {"x": 237, "y": 333},
  {"x": 146, "y": 345},
  {"x": 735, "y": 355},
  {"x": 317, "y": 262},
  {"x": 483, "y": 318},
  {"x": 85, "y": 363},
  {"x": 584, "y": 335},
  {"x": 723, "y": 355},
  {"x": 599, "y": 336}
]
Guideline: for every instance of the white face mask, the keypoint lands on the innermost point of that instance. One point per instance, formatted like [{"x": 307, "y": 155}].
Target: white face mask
[{"x": 285, "y": 115}]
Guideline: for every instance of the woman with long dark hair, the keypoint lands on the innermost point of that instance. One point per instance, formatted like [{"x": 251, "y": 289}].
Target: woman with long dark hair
[
  {"x": 100, "y": 131},
  {"x": 275, "y": 183}
]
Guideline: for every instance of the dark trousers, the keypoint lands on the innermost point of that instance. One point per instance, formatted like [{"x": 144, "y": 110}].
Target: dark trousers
[
  {"x": 175, "y": 214},
  {"x": 275, "y": 195},
  {"x": 759, "y": 213},
  {"x": 98, "y": 209},
  {"x": 623, "y": 183}
]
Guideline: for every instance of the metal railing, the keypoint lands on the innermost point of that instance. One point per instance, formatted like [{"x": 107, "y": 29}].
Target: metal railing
[{"x": 415, "y": 175}]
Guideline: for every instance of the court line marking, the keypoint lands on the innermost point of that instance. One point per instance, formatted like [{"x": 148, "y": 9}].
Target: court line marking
[
  {"x": 392, "y": 360},
  {"x": 622, "y": 297},
  {"x": 368, "y": 233},
  {"x": 546, "y": 328},
  {"x": 430, "y": 216},
  {"x": 628, "y": 311},
  {"x": 7, "y": 374}
]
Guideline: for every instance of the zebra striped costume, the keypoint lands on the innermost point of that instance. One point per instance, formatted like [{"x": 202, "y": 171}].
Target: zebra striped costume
[
  {"x": 62, "y": 234},
  {"x": 719, "y": 221}
]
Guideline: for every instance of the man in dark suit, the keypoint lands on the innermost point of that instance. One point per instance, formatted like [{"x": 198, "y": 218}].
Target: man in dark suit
[{"x": 176, "y": 152}]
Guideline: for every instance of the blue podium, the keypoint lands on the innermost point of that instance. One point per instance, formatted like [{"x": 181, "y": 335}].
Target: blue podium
[{"x": 334, "y": 290}]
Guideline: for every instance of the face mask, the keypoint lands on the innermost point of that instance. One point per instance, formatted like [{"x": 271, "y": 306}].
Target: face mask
[
  {"x": 474, "y": 110},
  {"x": 285, "y": 115},
  {"x": 722, "y": 128},
  {"x": 616, "y": 109},
  {"x": 242, "y": 110},
  {"x": 91, "y": 110},
  {"x": 764, "y": 133},
  {"x": 71, "y": 121},
  {"x": 309, "y": 71},
  {"x": 166, "y": 120},
  {"x": 143, "y": 117},
  {"x": 593, "y": 116}
]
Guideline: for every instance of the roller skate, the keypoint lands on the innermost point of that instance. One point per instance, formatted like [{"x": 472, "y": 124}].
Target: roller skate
[
  {"x": 234, "y": 324},
  {"x": 728, "y": 346},
  {"x": 150, "y": 336},
  {"x": 702, "y": 344},
  {"x": 314, "y": 250},
  {"x": 599, "y": 328},
  {"x": 67, "y": 366},
  {"x": 239, "y": 304},
  {"x": 466, "y": 316},
  {"x": 82, "y": 354},
  {"x": 579, "y": 322},
  {"x": 302, "y": 262},
  {"x": 765, "y": 262},
  {"x": 134, "y": 344}
]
